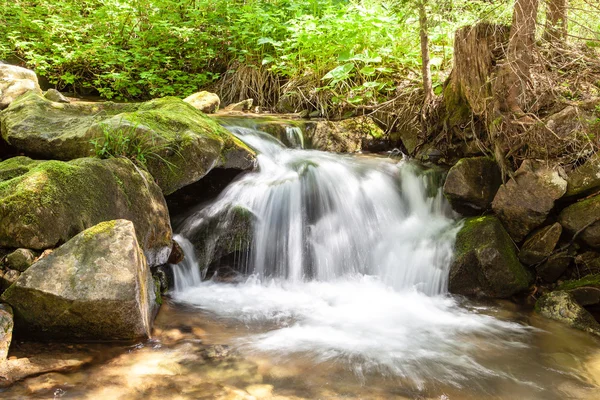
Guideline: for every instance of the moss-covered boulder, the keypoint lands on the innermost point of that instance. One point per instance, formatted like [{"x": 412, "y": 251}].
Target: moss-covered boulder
[
  {"x": 177, "y": 143},
  {"x": 471, "y": 185},
  {"x": 485, "y": 262},
  {"x": 95, "y": 286},
  {"x": 181, "y": 143},
  {"x": 346, "y": 136},
  {"x": 585, "y": 178},
  {"x": 524, "y": 202},
  {"x": 20, "y": 259},
  {"x": 14, "y": 82},
  {"x": 585, "y": 290},
  {"x": 52, "y": 201},
  {"x": 561, "y": 306},
  {"x": 46, "y": 129},
  {"x": 583, "y": 218},
  {"x": 540, "y": 244},
  {"x": 6, "y": 328}
]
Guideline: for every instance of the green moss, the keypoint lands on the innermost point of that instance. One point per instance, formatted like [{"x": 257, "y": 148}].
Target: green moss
[{"x": 589, "y": 280}]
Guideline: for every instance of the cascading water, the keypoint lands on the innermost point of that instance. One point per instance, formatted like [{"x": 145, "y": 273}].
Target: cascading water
[{"x": 348, "y": 262}]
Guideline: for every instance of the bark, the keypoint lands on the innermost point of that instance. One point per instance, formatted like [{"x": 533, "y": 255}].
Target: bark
[
  {"x": 520, "y": 54},
  {"x": 556, "y": 20},
  {"x": 425, "y": 62}
]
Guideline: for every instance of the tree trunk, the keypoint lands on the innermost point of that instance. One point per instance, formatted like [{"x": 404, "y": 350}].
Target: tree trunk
[
  {"x": 520, "y": 54},
  {"x": 556, "y": 20},
  {"x": 425, "y": 63}
]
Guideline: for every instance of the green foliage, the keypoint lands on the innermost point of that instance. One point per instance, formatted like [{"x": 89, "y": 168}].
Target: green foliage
[{"x": 131, "y": 143}]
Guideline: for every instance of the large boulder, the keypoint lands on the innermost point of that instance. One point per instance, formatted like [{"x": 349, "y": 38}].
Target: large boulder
[
  {"x": 583, "y": 218},
  {"x": 15, "y": 81},
  {"x": 524, "y": 202},
  {"x": 97, "y": 286},
  {"x": 206, "y": 102},
  {"x": 176, "y": 143},
  {"x": 471, "y": 185},
  {"x": 485, "y": 263},
  {"x": 6, "y": 328},
  {"x": 44, "y": 204},
  {"x": 182, "y": 144},
  {"x": 540, "y": 244},
  {"x": 346, "y": 136},
  {"x": 585, "y": 178},
  {"x": 562, "y": 307}
]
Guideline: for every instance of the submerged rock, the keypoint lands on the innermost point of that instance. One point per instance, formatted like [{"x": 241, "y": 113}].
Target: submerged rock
[
  {"x": 346, "y": 136},
  {"x": 175, "y": 142},
  {"x": 15, "y": 81},
  {"x": 95, "y": 286},
  {"x": 6, "y": 328},
  {"x": 471, "y": 185},
  {"x": 523, "y": 203},
  {"x": 204, "y": 101},
  {"x": 485, "y": 262},
  {"x": 561, "y": 306},
  {"x": 18, "y": 369},
  {"x": 540, "y": 244},
  {"x": 52, "y": 201},
  {"x": 583, "y": 218}
]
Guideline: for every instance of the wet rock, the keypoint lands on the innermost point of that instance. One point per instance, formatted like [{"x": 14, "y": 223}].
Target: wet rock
[
  {"x": 485, "y": 262},
  {"x": 244, "y": 105},
  {"x": 163, "y": 275},
  {"x": 585, "y": 178},
  {"x": 20, "y": 259},
  {"x": 523, "y": 203},
  {"x": 95, "y": 286},
  {"x": 7, "y": 278},
  {"x": 540, "y": 244},
  {"x": 346, "y": 136},
  {"x": 471, "y": 185},
  {"x": 6, "y": 328},
  {"x": 583, "y": 218},
  {"x": 56, "y": 96},
  {"x": 561, "y": 306},
  {"x": 179, "y": 144},
  {"x": 15, "y": 81},
  {"x": 204, "y": 101},
  {"x": 585, "y": 290},
  {"x": 54, "y": 200},
  {"x": 556, "y": 265},
  {"x": 15, "y": 370},
  {"x": 176, "y": 254}
]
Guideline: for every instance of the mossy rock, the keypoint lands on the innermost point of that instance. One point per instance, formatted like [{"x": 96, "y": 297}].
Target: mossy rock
[
  {"x": 95, "y": 286},
  {"x": 54, "y": 200},
  {"x": 585, "y": 290},
  {"x": 485, "y": 262},
  {"x": 561, "y": 306},
  {"x": 471, "y": 185},
  {"x": 179, "y": 144},
  {"x": 583, "y": 217},
  {"x": 346, "y": 136},
  {"x": 585, "y": 178}
]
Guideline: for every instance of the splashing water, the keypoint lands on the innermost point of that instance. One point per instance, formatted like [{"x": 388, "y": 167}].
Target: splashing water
[{"x": 348, "y": 263}]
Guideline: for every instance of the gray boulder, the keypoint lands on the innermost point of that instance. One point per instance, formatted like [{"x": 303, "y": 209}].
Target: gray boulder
[
  {"x": 15, "y": 81},
  {"x": 562, "y": 307},
  {"x": 585, "y": 178},
  {"x": 553, "y": 268},
  {"x": 524, "y": 202},
  {"x": 20, "y": 259},
  {"x": 583, "y": 218},
  {"x": 56, "y": 96},
  {"x": 6, "y": 328},
  {"x": 471, "y": 185},
  {"x": 540, "y": 244},
  {"x": 485, "y": 262},
  {"x": 52, "y": 201},
  {"x": 206, "y": 102},
  {"x": 97, "y": 286}
]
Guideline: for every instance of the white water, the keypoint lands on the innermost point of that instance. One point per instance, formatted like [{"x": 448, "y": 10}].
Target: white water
[{"x": 349, "y": 263}]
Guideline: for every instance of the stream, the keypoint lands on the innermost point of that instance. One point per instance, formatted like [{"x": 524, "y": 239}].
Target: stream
[{"x": 341, "y": 293}]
